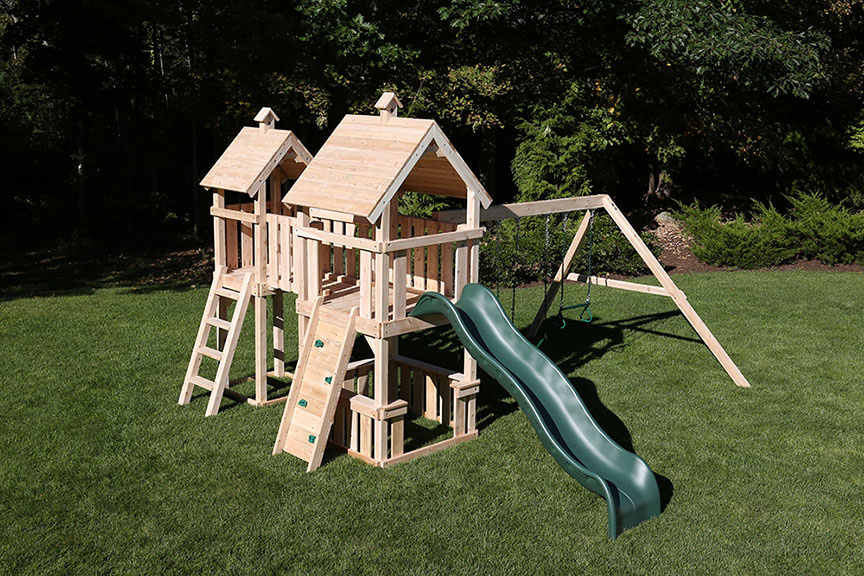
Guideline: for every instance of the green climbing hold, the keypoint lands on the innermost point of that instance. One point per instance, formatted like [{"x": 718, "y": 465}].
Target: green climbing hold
[
  {"x": 328, "y": 379},
  {"x": 319, "y": 343},
  {"x": 303, "y": 403},
  {"x": 311, "y": 439}
]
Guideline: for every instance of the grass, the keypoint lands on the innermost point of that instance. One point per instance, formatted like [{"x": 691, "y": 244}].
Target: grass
[{"x": 102, "y": 472}]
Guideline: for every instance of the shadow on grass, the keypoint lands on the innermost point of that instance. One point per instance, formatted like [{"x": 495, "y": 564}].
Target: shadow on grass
[
  {"x": 276, "y": 388},
  {"x": 81, "y": 270}
]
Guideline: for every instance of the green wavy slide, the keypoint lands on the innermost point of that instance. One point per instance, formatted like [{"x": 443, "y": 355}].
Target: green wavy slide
[{"x": 552, "y": 405}]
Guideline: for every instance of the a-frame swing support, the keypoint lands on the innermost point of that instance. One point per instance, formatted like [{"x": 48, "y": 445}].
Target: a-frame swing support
[{"x": 667, "y": 286}]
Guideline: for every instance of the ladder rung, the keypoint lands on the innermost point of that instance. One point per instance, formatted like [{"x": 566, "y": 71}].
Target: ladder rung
[
  {"x": 225, "y": 292},
  {"x": 219, "y": 323},
  {"x": 210, "y": 352},
  {"x": 202, "y": 382}
]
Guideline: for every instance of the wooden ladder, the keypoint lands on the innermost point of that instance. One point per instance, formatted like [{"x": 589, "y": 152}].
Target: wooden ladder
[
  {"x": 224, "y": 357},
  {"x": 317, "y": 385}
]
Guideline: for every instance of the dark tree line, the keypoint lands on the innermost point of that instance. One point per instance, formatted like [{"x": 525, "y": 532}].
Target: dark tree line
[{"x": 111, "y": 111}]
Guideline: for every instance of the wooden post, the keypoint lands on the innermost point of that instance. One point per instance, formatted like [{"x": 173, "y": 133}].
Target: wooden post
[
  {"x": 472, "y": 221},
  {"x": 260, "y": 235},
  {"x": 383, "y": 362},
  {"x": 381, "y": 349},
  {"x": 220, "y": 258},
  {"x": 219, "y": 251},
  {"x": 301, "y": 285}
]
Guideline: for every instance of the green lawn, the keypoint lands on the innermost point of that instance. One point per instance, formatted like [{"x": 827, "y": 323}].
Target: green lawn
[{"x": 102, "y": 472}]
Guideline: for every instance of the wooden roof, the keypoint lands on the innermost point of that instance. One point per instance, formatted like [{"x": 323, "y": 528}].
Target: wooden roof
[
  {"x": 367, "y": 160},
  {"x": 252, "y": 157}
]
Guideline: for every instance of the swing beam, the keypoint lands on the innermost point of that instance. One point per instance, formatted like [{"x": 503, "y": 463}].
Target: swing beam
[{"x": 602, "y": 201}]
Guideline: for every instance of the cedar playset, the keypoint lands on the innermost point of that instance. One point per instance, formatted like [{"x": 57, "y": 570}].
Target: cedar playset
[{"x": 328, "y": 229}]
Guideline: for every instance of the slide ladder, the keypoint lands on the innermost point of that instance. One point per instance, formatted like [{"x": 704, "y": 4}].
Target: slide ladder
[
  {"x": 229, "y": 332},
  {"x": 553, "y": 407},
  {"x": 317, "y": 385}
]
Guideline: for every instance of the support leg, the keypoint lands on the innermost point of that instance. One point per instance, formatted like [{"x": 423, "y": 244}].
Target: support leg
[
  {"x": 381, "y": 350},
  {"x": 260, "y": 348},
  {"x": 677, "y": 295}
]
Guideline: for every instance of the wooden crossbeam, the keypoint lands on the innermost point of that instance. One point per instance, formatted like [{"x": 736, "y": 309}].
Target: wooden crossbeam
[{"x": 523, "y": 209}]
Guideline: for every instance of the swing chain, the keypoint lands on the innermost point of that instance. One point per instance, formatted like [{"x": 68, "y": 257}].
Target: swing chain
[
  {"x": 585, "y": 315},
  {"x": 545, "y": 269},
  {"x": 590, "y": 253},
  {"x": 514, "y": 272},
  {"x": 561, "y": 269},
  {"x": 497, "y": 267}
]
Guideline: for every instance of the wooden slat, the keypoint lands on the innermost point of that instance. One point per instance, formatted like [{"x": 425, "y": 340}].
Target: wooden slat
[
  {"x": 285, "y": 264},
  {"x": 246, "y": 244},
  {"x": 432, "y": 261},
  {"x": 400, "y": 265},
  {"x": 272, "y": 251},
  {"x": 231, "y": 244},
  {"x": 350, "y": 254},
  {"x": 422, "y": 240},
  {"x": 366, "y": 284},
  {"x": 620, "y": 284},
  {"x": 340, "y": 239},
  {"x": 418, "y": 391},
  {"x": 338, "y": 251},
  {"x": 228, "y": 214},
  {"x": 447, "y": 258},
  {"x": 461, "y": 268}
]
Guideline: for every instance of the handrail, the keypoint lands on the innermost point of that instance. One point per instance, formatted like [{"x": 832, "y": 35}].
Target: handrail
[
  {"x": 391, "y": 246},
  {"x": 234, "y": 215}
]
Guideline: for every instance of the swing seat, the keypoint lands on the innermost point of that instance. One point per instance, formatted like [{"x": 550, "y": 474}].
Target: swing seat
[{"x": 584, "y": 316}]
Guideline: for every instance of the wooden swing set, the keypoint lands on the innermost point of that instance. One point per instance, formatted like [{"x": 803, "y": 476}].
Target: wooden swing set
[
  {"x": 590, "y": 204},
  {"x": 357, "y": 266}
]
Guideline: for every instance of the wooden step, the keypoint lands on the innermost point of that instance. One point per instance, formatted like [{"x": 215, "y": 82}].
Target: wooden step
[
  {"x": 202, "y": 382},
  {"x": 219, "y": 323},
  {"x": 226, "y": 293},
  {"x": 210, "y": 352}
]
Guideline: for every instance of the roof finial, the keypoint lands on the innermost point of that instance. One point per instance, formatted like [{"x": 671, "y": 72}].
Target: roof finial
[
  {"x": 389, "y": 106},
  {"x": 266, "y": 119}
]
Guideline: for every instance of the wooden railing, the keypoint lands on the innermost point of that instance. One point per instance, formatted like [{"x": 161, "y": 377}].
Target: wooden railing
[
  {"x": 428, "y": 268},
  {"x": 421, "y": 255},
  {"x": 354, "y": 422},
  {"x": 239, "y": 241},
  {"x": 426, "y": 389},
  {"x": 280, "y": 252}
]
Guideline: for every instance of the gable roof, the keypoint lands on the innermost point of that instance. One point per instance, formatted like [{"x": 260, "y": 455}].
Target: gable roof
[
  {"x": 253, "y": 155},
  {"x": 367, "y": 160}
]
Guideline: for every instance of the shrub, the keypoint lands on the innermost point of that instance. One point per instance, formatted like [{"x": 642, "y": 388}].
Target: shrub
[
  {"x": 830, "y": 233},
  {"x": 813, "y": 229}
]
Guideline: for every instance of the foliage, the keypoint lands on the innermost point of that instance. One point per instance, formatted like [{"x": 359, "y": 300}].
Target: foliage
[
  {"x": 564, "y": 142},
  {"x": 423, "y": 205},
  {"x": 121, "y": 106},
  {"x": 537, "y": 253},
  {"x": 813, "y": 229},
  {"x": 724, "y": 47}
]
